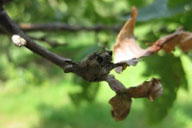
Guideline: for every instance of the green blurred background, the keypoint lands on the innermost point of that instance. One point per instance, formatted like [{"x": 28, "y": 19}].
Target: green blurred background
[{"x": 36, "y": 94}]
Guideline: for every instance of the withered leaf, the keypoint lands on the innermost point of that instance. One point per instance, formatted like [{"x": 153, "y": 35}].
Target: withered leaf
[
  {"x": 126, "y": 50},
  {"x": 150, "y": 89},
  {"x": 182, "y": 39},
  {"x": 121, "y": 104}
]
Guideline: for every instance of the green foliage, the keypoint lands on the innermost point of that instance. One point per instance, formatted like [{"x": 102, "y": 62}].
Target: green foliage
[
  {"x": 160, "y": 10},
  {"x": 170, "y": 71},
  {"x": 20, "y": 70},
  {"x": 87, "y": 92}
]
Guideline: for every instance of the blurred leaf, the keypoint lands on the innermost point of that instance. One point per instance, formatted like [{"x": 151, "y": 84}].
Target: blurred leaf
[
  {"x": 158, "y": 9},
  {"x": 173, "y": 3},
  {"x": 139, "y": 3},
  {"x": 172, "y": 76},
  {"x": 87, "y": 92}
]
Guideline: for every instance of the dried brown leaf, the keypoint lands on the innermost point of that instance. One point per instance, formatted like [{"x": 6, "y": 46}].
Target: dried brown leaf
[
  {"x": 150, "y": 89},
  {"x": 126, "y": 50},
  {"x": 121, "y": 104},
  {"x": 182, "y": 39}
]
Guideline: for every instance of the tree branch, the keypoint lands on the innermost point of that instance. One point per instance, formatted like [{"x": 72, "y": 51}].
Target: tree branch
[
  {"x": 65, "y": 27},
  {"x": 95, "y": 67},
  {"x": 11, "y": 28}
]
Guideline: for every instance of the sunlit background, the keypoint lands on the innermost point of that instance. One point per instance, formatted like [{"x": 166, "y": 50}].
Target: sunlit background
[{"x": 36, "y": 94}]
